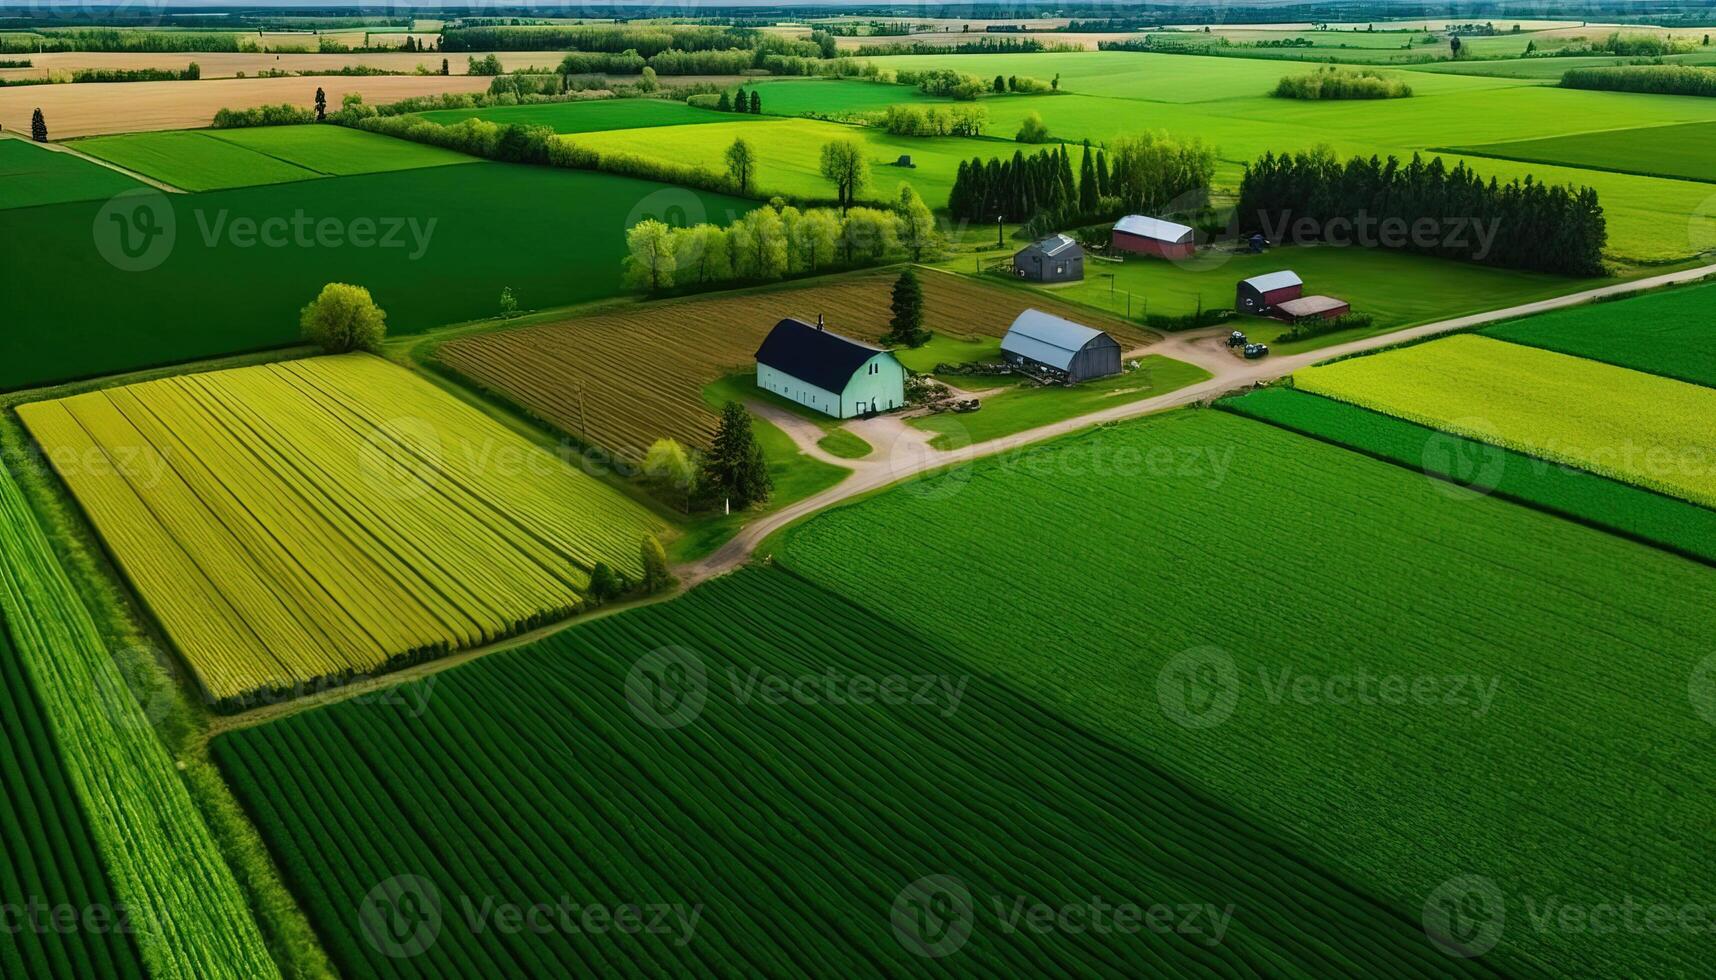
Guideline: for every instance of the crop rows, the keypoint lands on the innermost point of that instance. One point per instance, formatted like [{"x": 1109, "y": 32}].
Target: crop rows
[
  {"x": 623, "y": 380},
  {"x": 1638, "y": 428},
  {"x": 189, "y": 917},
  {"x": 1666, "y": 332},
  {"x": 1132, "y": 561},
  {"x": 306, "y": 520},
  {"x": 531, "y": 775},
  {"x": 1481, "y": 469}
]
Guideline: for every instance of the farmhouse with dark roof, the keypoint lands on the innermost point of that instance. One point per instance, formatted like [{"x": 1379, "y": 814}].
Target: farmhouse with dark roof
[{"x": 832, "y": 374}]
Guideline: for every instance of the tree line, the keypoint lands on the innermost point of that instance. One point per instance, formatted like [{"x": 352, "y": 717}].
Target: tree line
[
  {"x": 1145, "y": 173},
  {"x": 1656, "y": 79},
  {"x": 1525, "y": 224}
]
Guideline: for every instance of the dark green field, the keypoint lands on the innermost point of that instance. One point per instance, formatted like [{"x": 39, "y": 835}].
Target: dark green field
[
  {"x": 588, "y": 117},
  {"x": 1221, "y": 595},
  {"x": 1483, "y": 468},
  {"x": 791, "y": 829},
  {"x": 434, "y": 246},
  {"x": 1669, "y": 332},
  {"x": 30, "y": 175},
  {"x": 1685, "y": 152}
]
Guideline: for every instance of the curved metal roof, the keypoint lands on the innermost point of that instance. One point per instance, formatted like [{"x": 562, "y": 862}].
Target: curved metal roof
[
  {"x": 1047, "y": 339},
  {"x": 1274, "y": 280},
  {"x": 1153, "y": 228}
]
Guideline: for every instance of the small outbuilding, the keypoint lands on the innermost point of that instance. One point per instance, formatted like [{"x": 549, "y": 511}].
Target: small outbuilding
[
  {"x": 1312, "y": 308},
  {"x": 1143, "y": 235},
  {"x": 1054, "y": 259},
  {"x": 1063, "y": 350},
  {"x": 1260, "y": 295},
  {"x": 822, "y": 370}
]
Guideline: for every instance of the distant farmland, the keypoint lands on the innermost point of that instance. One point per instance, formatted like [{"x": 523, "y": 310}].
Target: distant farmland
[
  {"x": 204, "y": 160},
  {"x": 32, "y": 175},
  {"x": 622, "y": 380},
  {"x": 789, "y": 830},
  {"x": 303, "y": 521}
]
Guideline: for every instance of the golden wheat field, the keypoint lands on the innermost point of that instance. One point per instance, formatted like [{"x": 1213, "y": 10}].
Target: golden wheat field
[
  {"x": 309, "y": 520},
  {"x": 623, "y": 380}
]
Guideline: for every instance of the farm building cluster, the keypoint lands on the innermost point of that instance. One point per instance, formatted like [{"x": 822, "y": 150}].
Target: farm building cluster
[{"x": 1281, "y": 295}]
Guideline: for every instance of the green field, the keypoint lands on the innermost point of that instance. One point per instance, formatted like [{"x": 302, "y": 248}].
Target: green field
[
  {"x": 789, "y": 154},
  {"x": 1139, "y": 559},
  {"x": 1480, "y": 469},
  {"x": 1639, "y": 428},
  {"x": 1667, "y": 332},
  {"x": 790, "y": 827},
  {"x": 188, "y": 916},
  {"x": 1395, "y": 289},
  {"x": 1686, "y": 151},
  {"x": 422, "y": 241},
  {"x": 587, "y": 117},
  {"x": 1022, "y": 407},
  {"x": 31, "y": 175},
  {"x": 833, "y": 96},
  {"x": 206, "y": 160}
]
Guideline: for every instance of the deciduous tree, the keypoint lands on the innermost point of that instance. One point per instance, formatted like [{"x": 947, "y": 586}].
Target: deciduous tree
[
  {"x": 843, "y": 164},
  {"x": 741, "y": 163},
  {"x": 343, "y": 319},
  {"x": 650, "y": 263}
]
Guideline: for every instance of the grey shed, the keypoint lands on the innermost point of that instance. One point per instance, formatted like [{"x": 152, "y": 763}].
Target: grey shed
[
  {"x": 1044, "y": 341},
  {"x": 1054, "y": 259}
]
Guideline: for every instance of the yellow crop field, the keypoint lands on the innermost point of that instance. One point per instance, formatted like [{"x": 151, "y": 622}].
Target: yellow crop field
[
  {"x": 1639, "y": 428},
  {"x": 294, "y": 523}
]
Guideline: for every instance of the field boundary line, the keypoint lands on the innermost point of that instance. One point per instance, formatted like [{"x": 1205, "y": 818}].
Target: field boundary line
[{"x": 159, "y": 185}]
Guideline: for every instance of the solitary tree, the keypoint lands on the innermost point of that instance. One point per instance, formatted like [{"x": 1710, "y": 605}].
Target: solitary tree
[
  {"x": 741, "y": 163},
  {"x": 343, "y": 319},
  {"x": 843, "y": 164},
  {"x": 651, "y": 261},
  {"x": 508, "y": 303},
  {"x": 735, "y": 468},
  {"x": 647, "y": 81},
  {"x": 38, "y": 127},
  {"x": 907, "y": 325},
  {"x": 446, "y": 69},
  {"x": 1033, "y": 130},
  {"x": 1000, "y": 83},
  {"x": 321, "y": 106},
  {"x": 1454, "y": 45}
]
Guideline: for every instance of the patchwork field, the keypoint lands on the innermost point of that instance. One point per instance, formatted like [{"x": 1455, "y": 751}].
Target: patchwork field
[
  {"x": 622, "y": 380},
  {"x": 189, "y": 919},
  {"x": 775, "y": 838},
  {"x": 1212, "y": 591},
  {"x": 304, "y": 521},
  {"x": 592, "y": 116},
  {"x": 1668, "y": 332},
  {"x": 92, "y": 109},
  {"x": 422, "y": 241},
  {"x": 1638, "y": 428},
  {"x": 1482, "y": 468},
  {"x": 31, "y": 175},
  {"x": 206, "y": 160},
  {"x": 1684, "y": 151}
]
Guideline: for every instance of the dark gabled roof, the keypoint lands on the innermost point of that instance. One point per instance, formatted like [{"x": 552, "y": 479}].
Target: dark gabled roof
[
  {"x": 1052, "y": 246},
  {"x": 818, "y": 357}
]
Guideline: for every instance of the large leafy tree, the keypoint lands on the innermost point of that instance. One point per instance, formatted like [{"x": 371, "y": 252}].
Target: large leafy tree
[
  {"x": 342, "y": 319},
  {"x": 843, "y": 164},
  {"x": 741, "y": 163},
  {"x": 651, "y": 260}
]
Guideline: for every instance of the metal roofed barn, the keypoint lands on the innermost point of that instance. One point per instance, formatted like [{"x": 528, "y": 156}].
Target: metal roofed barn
[
  {"x": 1062, "y": 349},
  {"x": 1259, "y": 295},
  {"x": 1144, "y": 235}
]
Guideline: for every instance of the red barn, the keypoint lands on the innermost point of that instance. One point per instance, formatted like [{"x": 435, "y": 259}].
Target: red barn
[
  {"x": 1143, "y": 235},
  {"x": 1260, "y": 295},
  {"x": 1313, "y": 308}
]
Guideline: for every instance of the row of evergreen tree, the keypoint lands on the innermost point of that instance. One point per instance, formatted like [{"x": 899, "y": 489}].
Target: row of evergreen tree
[
  {"x": 1020, "y": 188},
  {"x": 1535, "y": 226}
]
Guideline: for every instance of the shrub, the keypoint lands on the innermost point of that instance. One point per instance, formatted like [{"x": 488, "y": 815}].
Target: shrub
[
  {"x": 1334, "y": 83},
  {"x": 1657, "y": 79},
  {"x": 1319, "y": 327},
  {"x": 268, "y": 115}
]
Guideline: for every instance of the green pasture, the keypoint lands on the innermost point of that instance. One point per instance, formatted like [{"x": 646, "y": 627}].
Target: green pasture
[
  {"x": 1670, "y": 332},
  {"x": 1684, "y": 151},
  {"x": 789, "y": 154},
  {"x": 832, "y": 96},
  {"x": 32, "y": 175},
  {"x": 587, "y": 117},
  {"x": 1551, "y": 69},
  {"x": 206, "y": 160},
  {"x": 1020, "y": 407},
  {"x": 239, "y": 264},
  {"x": 1213, "y": 590}
]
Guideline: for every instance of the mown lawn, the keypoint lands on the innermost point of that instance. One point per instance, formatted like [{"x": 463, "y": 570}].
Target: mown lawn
[
  {"x": 1219, "y": 592},
  {"x": 1026, "y": 406},
  {"x": 31, "y": 175}
]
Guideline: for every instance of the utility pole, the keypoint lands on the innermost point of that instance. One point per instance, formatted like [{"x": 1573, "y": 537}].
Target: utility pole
[{"x": 1000, "y": 242}]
